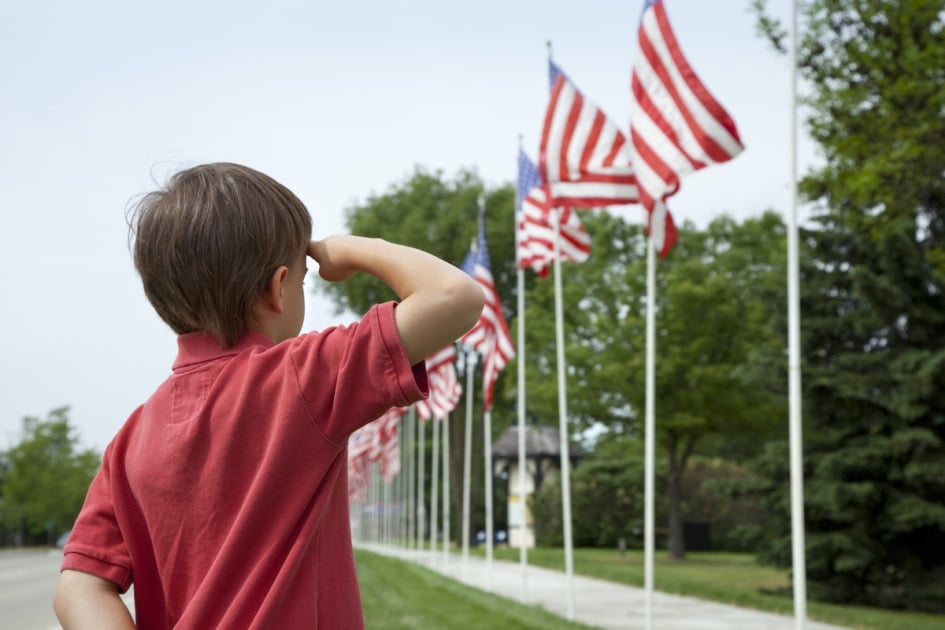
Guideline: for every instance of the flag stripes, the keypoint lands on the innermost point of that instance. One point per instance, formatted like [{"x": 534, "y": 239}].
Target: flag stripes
[
  {"x": 490, "y": 336},
  {"x": 445, "y": 390},
  {"x": 377, "y": 441},
  {"x": 535, "y": 232},
  {"x": 676, "y": 125},
  {"x": 583, "y": 155}
]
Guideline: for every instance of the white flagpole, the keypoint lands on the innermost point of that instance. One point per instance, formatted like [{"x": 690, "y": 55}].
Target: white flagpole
[
  {"x": 522, "y": 465},
  {"x": 487, "y": 443},
  {"x": 799, "y": 561},
  {"x": 376, "y": 502},
  {"x": 411, "y": 476},
  {"x": 434, "y": 488},
  {"x": 446, "y": 488},
  {"x": 649, "y": 484},
  {"x": 563, "y": 429},
  {"x": 563, "y": 411},
  {"x": 467, "y": 453},
  {"x": 386, "y": 486},
  {"x": 405, "y": 480},
  {"x": 369, "y": 502},
  {"x": 421, "y": 477}
]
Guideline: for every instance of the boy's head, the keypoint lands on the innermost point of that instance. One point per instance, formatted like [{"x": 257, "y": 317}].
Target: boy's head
[{"x": 208, "y": 243}]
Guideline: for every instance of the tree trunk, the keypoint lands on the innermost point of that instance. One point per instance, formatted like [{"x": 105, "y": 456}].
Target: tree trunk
[{"x": 677, "y": 466}]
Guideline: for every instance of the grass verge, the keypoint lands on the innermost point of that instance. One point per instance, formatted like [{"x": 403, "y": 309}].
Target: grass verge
[
  {"x": 399, "y": 595},
  {"x": 730, "y": 578}
]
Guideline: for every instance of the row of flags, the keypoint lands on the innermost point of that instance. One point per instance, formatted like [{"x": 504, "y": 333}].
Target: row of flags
[
  {"x": 585, "y": 161},
  {"x": 676, "y": 127},
  {"x": 378, "y": 441}
]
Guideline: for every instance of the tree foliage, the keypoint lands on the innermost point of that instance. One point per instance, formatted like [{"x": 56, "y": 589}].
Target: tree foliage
[
  {"x": 712, "y": 307},
  {"x": 712, "y": 315},
  {"x": 47, "y": 478},
  {"x": 873, "y": 305},
  {"x": 606, "y": 498}
]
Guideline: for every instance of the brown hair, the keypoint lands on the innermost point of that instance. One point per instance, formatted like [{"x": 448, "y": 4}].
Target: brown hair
[{"x": 207, "y": 244}]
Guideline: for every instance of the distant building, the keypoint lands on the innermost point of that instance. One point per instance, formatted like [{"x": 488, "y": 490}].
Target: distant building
[{"x": 542, "y": 459}]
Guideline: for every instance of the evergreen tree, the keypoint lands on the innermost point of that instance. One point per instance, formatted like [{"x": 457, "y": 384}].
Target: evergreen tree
[{"x": 873, "y": 308}]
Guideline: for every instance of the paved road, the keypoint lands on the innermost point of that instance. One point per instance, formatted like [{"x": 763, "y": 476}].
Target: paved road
[{"x": 27, "y": 581}]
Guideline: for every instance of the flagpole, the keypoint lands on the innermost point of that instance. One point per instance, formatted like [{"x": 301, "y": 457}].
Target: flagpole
[
  {"x": 563, "y": 431},
  {"x": 446, "y": 488},
  {"x": 402, "y": 480},
  {"x": 467, "y": 453},
  {"x": 386, "y": 521},
  {"x": 794, "y": 362},
  {"x": 522, "y": 462},
  {"x": 411, "y": 476},
  {"x": 650, "y": 432},
  {"x": 487, "y": 440},
  {"x": 434, "y": 488},
  {"x": 375, "y": 499},
  {"x": 421, "y": 475}
]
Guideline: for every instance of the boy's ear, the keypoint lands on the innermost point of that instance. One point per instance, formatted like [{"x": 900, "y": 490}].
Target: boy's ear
[{"x": 272, "y": 295}]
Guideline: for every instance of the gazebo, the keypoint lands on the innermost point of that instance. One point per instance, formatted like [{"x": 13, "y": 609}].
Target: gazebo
[{"x": 542, "y": 458}]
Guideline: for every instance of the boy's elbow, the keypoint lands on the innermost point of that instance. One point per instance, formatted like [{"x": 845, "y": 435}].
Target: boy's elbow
[
  {"x": 473, "y": 299},
  {"x": 62, "y": 600}
]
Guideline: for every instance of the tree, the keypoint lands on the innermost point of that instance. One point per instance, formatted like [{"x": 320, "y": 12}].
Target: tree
[
  {"x": 47, "y": 477},
  {"x": 438, "y": 215},
  {"x": 873, "y": 305},
  {"x": 606, "y": 498},
  {"x": 711, "y": 317}
]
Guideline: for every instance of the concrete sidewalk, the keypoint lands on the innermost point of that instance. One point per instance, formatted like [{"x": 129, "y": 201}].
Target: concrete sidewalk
[{"x": 596, "y": 602}]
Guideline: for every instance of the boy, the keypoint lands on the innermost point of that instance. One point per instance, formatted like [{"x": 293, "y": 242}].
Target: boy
[{"x": 223, "y": 497}]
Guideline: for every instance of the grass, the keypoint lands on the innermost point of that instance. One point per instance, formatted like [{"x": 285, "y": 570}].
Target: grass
[
  {"x": 399, "y": 595},
  {"x": 730, "y": 578}
]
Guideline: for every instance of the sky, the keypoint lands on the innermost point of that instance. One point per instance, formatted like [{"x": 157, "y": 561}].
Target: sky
[{"x": 338, "y": 101}]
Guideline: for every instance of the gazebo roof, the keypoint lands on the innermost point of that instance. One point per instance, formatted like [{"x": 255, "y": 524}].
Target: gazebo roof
[{"x": 539, "y": 441}]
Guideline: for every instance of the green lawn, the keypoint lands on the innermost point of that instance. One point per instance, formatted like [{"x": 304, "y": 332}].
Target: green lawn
[
  {"x": 399, "y": 595},
  {"x": 724, "y": 577}
]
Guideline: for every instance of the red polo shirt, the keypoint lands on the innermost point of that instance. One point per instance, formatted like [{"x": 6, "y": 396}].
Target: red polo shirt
[{"x": 224, "y": 497}]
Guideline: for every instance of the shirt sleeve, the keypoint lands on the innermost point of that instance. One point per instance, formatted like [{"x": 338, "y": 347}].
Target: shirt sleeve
[
  {"x": 96, "y": 545},
  {"x": 350, "y": 375}
]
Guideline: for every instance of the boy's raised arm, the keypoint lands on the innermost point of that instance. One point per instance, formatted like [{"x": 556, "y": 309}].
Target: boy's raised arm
[
  {"x": 86, "y": 601},
  {"x": 439, "y": 302}
]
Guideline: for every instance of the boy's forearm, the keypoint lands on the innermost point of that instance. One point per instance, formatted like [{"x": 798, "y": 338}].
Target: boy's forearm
[
  {"x": 86, "y": 601},
  {"x": 404, "y": 269}
]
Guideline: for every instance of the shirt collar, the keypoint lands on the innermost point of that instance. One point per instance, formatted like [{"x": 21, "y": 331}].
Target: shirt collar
[{"x": 200, "y": 347}]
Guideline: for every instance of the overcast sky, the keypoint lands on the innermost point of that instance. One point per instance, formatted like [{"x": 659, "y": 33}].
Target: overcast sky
[{"x": 335, "y": 100}]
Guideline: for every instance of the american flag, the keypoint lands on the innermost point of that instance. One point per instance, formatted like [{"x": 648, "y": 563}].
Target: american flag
[
  {"x": 535, "y": 233},
  {"x": 676, "y": 125},
  {"x": 584, "y": 157},
  {"x": 490, "y": 336},
  {"x": 445, "y": 390},
  {"x": 377, "y": 441},
  {"x": 360, "y": 445},
  {"x": 387, "y": 442}
]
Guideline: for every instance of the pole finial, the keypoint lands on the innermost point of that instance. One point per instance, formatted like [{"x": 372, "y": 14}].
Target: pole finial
[{"x": 548, "y": 45}]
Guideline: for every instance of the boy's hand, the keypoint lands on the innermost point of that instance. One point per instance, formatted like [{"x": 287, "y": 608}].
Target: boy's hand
[{"x": 329, "y": 253}]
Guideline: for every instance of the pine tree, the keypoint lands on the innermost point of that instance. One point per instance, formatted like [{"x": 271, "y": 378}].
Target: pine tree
[{"x": 873, "y": 308}]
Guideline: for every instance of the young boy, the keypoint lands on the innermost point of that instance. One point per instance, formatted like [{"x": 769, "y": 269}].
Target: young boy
[{"x": 223, "y": 498}]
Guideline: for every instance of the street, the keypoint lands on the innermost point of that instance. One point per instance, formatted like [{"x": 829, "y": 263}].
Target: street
[{"x": 28, "y": 580}]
